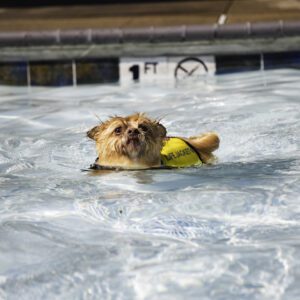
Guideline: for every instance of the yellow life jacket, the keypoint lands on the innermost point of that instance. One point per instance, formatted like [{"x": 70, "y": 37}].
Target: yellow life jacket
[{"x": 178, "y": 153}]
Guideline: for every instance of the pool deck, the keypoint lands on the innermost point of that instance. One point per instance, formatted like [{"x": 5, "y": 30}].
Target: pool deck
[{"x": 139, "y": 15}]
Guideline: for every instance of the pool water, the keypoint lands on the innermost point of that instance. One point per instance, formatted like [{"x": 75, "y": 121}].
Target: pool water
[{"x": 228, "y": 231}]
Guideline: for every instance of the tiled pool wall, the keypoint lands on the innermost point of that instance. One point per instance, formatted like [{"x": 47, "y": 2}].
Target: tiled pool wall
[
  {"x": 115, "y": 69},
  {"x": 93, "y": 56}
]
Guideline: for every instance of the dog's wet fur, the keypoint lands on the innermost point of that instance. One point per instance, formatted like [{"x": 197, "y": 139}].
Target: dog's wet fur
[{"x": 135, "y": 142}]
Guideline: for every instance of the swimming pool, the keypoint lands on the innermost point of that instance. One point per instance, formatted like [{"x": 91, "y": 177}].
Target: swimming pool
[{"x": 229, "y": 231}]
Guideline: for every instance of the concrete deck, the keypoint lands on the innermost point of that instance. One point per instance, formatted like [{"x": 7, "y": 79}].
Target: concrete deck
[{"x": 146, "y": 14}]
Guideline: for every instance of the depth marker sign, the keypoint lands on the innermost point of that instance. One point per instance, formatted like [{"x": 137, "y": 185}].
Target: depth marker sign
[
  {"x": 147, "y": 69},
  {"x": 143, "y": 69}
]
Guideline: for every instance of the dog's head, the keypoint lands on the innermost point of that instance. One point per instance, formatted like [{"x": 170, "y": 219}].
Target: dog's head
[{"x": 122, "y": 140}]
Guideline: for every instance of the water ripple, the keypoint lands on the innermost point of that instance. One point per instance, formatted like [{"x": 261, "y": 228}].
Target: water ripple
[{"x": 228, "y": 231}]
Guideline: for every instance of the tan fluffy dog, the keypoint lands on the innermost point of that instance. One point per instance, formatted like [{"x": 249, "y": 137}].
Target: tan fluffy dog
[{"x": 136, "y": 141}]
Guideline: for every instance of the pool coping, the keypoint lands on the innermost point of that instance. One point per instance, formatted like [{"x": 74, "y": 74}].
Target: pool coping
[
  {"x": 151, "y": 41},
  {"x": 152, "y": 34}
]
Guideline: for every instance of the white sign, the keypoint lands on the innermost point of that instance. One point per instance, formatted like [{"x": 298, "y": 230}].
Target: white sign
[{"x": 154, "y": 68}]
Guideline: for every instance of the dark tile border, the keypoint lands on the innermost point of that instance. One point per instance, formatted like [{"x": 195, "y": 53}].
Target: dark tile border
[
  {"x": 107, "y": 70},
  {"x": 91, "y": 71},
  {"x": 54, "y": 73},
  {"x": 13, "y": 73},
  {"x": 281, "y": 60},
  {"x": 237, "y": 63}
]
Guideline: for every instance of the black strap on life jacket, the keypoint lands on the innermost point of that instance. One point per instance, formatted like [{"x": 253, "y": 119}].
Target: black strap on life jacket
[
  {"x": 194, "y": 148},
  {"x": 96, "y": 166}
]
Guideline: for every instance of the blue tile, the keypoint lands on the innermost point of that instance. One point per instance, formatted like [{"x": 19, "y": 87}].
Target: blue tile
[
  {"x": 282, "y": 60},
  {"x": 237, "y": 63},
  {"x": 51, "y": 73},
  {"x": 97, "y": 71},
  {"x": 14, "y": 73}
]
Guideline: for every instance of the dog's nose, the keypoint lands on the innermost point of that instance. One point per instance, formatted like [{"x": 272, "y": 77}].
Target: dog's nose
[{"x": 133, "y": 132}]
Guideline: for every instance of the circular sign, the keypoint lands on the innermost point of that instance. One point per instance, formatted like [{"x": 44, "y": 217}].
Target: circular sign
[{"x": 190, "y": 67}]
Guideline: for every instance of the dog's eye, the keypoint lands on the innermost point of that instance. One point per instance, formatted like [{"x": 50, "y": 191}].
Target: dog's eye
[
  {"x": 118, "y": 130},
  {"x": 143, "y": 127}
]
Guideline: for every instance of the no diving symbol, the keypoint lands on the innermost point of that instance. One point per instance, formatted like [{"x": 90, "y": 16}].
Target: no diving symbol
[{"x": 190, "y": 67}]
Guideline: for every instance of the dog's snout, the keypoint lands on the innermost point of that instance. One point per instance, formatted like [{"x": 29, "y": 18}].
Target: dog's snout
[{"x": 133, "y": 132}]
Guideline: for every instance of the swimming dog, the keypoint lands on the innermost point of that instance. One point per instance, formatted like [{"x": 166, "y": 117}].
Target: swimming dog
[{"x": 140, "y": 142}]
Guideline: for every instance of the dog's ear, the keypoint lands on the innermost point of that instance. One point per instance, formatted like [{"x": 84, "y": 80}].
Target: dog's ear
[
  {"x": 161, "y": 130},
  {"x": 92, "y": 133}
]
